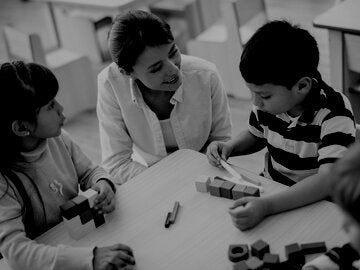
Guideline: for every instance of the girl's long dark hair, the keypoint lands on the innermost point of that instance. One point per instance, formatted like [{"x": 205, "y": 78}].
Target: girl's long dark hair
[{"x": 25, "y": 88}]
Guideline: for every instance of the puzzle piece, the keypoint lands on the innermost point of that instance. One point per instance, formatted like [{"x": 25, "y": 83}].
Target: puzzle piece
[
  {"x": 202, "y": 183},
  {"x": 237, "y": 253},
  {"x": 259, "y": 249},
  {"x": 313, "y": 248},
  {"x": 294, "y": 253},
  {"x": 214, "y": 187},
  {"x": 226, "y": 189}
]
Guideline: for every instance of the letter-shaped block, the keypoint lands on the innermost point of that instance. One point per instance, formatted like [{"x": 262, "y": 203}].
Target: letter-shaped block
[
  {"x": 91, "y": 195},
  {"x": 215, "y": 185},
  {"x": 202, "y": 183},
  {"x": 99, "y": 219},
  {"x": 226, "y": 189},
  {"x": 238, "y": 253},
  {"x": 313, "y": 248},
  {"x": 294, "y": 253},
  {"x": 238, "y": 191},
  {"x": 259, "y": 249}
]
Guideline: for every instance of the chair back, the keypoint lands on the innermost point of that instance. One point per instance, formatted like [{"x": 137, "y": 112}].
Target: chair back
[
  {"x": 248, "y": 16},
  {"x": 22, "y": 46}
]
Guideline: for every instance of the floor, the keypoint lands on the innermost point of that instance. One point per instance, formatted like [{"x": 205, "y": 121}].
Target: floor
[{"x": 34, "y": 16}]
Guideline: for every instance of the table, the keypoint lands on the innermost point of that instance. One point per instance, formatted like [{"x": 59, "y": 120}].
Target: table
[
  {"x": 203, "y": 231},
  {"x": 340, "y": 19},
  {"x": 74, "y": 22}
]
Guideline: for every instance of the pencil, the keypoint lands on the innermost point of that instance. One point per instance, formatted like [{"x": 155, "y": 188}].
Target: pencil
[
  {"x": 174, "y": 212},
  {"x": 167, "y": 221}
]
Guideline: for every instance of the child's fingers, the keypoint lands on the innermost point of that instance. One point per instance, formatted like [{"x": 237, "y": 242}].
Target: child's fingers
[
  {"x": 213, "y": 154},
  {"x": 108, "y": 208},
  {"x": 240, "y": 202}
]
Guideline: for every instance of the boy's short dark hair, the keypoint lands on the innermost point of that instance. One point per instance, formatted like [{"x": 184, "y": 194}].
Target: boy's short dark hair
[{"x": 279, "y": 53}]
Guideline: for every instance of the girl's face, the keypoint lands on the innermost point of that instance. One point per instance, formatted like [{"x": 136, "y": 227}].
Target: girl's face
[
  {"x": 50, "y": 119},
  {"x": 158, "y": 68},
  {"x": 276, "y": 99},
  {"x": 352, "y": 229}
]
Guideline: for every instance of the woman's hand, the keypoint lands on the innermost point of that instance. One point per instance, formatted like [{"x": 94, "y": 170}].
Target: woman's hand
[
  {"x": 217, "y": 151},
  {"x": 118, "y": 256},
  {"x": 247, "y": 212},
  {"x": 105, "y": 201}
]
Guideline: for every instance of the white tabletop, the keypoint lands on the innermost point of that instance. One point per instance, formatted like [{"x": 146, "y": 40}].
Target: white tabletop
[{"x": 203, "y": 231}]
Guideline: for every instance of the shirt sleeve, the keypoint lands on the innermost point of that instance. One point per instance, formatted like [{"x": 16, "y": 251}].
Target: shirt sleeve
[
  {"x": 116, "y": 144},
  {"x": 254, "y": 125},
  {"x": 221, "y": 120},
  {"x": 20, "y": 252},
  {"x": 337, "y": 133},
  {"x": 88, "y": 173}
]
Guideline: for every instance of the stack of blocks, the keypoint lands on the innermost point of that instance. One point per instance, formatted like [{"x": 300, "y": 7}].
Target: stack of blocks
[
  {"x": 79, "y": 214},
  {"x": 220, "y": 187},
  {"x": 264, "y": 260}
]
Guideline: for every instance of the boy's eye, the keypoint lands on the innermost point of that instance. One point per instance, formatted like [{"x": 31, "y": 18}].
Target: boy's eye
[
  {"x": 173, "y": 53},
  {"x": 154, "y": 70}
]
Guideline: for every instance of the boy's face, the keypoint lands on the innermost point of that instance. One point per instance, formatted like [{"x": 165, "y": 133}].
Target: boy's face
[
  {"x": 352, "y": 229},
  {"x": 277, "y": 99}
]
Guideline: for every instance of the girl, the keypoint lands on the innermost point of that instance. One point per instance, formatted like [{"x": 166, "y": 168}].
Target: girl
[
  {"x": 153, "y": 99},
  {"x": 40, "y": 169}
]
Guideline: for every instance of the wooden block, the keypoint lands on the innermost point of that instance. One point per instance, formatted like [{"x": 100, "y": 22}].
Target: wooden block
[
  {"x": 68, "y": 210},
  {"x": 86, "y": 216},
  {"x": 238, "y": 191},
  {"x": 215, "y": 185},
  {"x": 240, "y": 266},
  {"x": 82, "y": 204},
  {"x": 202, "y": 183},
  {"x": 99, "y": 219},
  {"x": 254, "y": 263},
  {"x": 271, "y": 260},
  {"x": 237, "y": 253},
  {"x": 313, "y": 248},
  {"x": 259, "y": 249},
  {"x": 252, "y": 191},
  {"x": 226, "y": 189},
  {"x": 91, "y": 195},
  {"x": 294, "y": 253}
]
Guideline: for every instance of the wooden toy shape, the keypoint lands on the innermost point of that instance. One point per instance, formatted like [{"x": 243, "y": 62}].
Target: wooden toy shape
[
  {"x": 238, "y": 191},
  {"x": 202, "y": 183},
  {"x": 214, "y": 187},
  {"x": 240, "y": 266},
  {"x": 238, "y": 253},
  {"x": 91, "y": 195},
  {"x": 313, "y": 248},
  {"x": 294, "y": 253},
  {"x": 254, "y": 263},
  {"x": 99, "y": 219},
  {"x": 252, "y": 191},
  {"x": 68, "y": 210},
  {"x": 82, "y": 204},
  {"x": 271, "y": 260},
  {"x": 260, "y": 248},
  {"x": 86, "y": 216},
  {"x": 226, "y": 189}
]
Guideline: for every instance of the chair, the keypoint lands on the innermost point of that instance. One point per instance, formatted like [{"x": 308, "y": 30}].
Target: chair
[
  {"x": 77, "y": 84},
  {"x": 222, "y": 43}
]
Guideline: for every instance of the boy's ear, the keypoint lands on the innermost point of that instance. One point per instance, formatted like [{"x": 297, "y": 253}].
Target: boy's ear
[
  {"x": 20, "y": 128},
  {"x": 304, "y": 85}
]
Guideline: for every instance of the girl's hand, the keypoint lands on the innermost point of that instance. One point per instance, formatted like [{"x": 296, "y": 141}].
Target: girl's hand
[
  {"x": 247, "y": 212},
  {"x": 217, "y": 151},
  {"x": 105, "y": 201},
  {"x": 118, "y": 256}
]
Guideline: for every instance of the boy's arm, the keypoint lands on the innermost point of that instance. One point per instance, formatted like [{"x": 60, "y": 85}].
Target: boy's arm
[{"x": 246, "y": 143}]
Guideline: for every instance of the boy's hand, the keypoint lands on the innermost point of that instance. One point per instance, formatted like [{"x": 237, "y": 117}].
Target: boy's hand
[
  {"x": 118, "y": 256},
  {"x": 105, "y": 201},
  {"x": 217, "y": 151},
  {"x": 247, "y": 212}
]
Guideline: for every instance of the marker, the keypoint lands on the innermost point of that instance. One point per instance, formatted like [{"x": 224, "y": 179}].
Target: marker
[
  {"x": 174, "y": 212},
  {"x": 167, "y": 221}
]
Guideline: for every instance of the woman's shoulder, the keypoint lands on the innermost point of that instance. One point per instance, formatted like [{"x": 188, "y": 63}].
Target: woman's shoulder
[
  {"x": 193, "y": 63},
  {"x": 110, "y": 71}
]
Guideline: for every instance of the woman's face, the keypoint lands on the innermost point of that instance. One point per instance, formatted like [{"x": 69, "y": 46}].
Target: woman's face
[{"x": 158, "y": 68}]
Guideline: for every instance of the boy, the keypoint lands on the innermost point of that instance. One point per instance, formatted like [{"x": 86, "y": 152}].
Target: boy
[{"x": 305, "y": 124}]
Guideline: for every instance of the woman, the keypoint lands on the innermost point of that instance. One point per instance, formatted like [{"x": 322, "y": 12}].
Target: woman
[{"x": 154, "y": 100}]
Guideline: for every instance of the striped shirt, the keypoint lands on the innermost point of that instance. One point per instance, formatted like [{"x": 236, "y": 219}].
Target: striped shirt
[{"x": 297, "y": 149}]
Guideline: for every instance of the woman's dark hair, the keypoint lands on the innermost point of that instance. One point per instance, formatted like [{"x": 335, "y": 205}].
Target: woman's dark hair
[
  {"x": 131, "y": 32},
  {"x": 25, "y": 88},
  {"x": 279, "y": 53}
]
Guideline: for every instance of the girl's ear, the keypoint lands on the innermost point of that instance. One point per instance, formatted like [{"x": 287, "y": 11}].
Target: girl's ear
[
  {"x": 124, "y": 72},
  {"x": 20, "y": 128}
]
